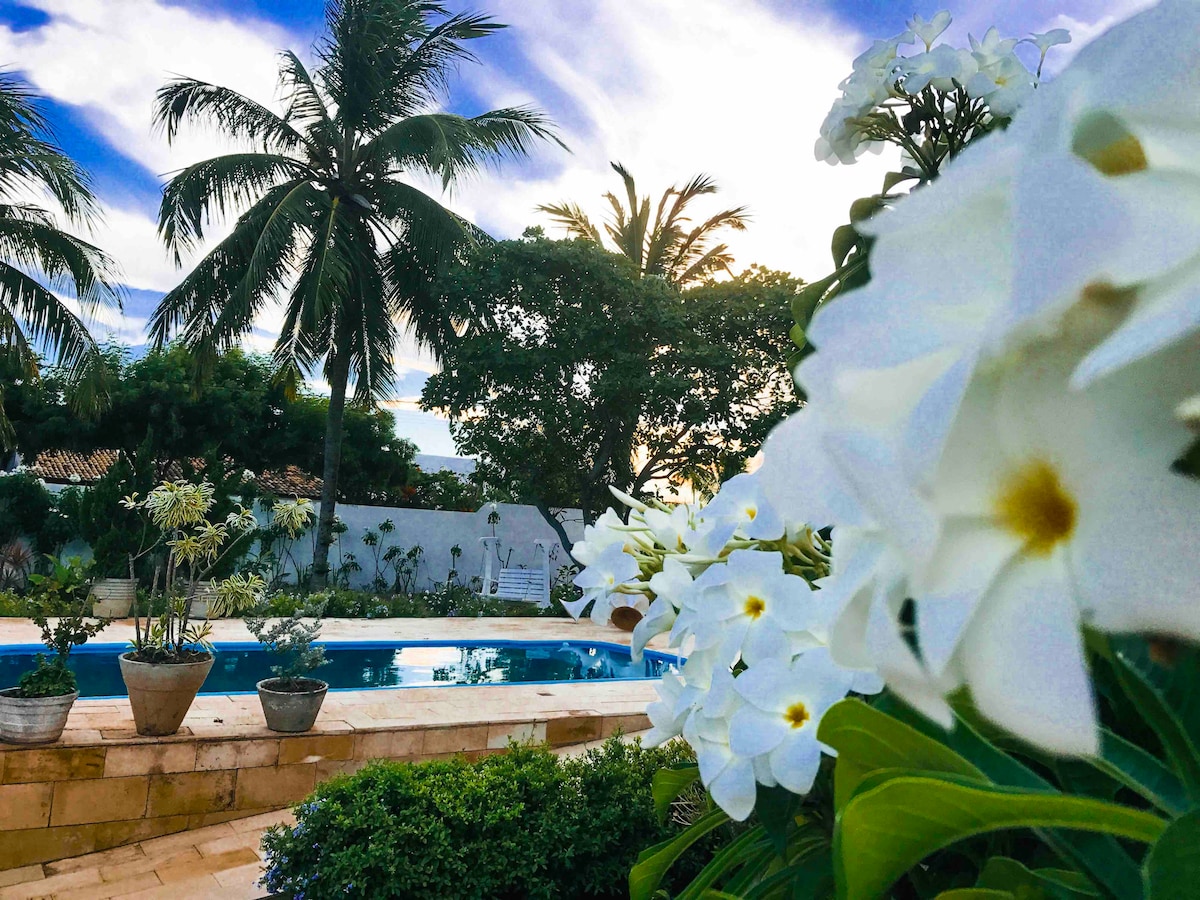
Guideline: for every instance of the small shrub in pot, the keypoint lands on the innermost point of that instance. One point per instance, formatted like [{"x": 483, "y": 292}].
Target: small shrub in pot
[
  {"x": 36, "y": 710},
  {"x": 292, "y": 699}
]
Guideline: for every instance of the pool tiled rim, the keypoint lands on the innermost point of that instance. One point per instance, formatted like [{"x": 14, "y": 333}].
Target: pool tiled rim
[{"x": 103, "y": 786}]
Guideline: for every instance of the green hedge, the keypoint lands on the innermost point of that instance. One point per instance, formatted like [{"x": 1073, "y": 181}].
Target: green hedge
[{"x": 526, "y": 824}]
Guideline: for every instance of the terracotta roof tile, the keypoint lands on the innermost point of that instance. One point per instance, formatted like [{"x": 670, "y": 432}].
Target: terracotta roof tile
[{"x": 69, "y": 467}]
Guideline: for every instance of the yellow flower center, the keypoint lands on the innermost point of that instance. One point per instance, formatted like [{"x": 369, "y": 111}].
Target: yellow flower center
[
  {"x": 751, "y": 513},
  {"x": 755, "y": 606},
  {"x": 796, "y": 715},
  {"x": 1108, "y": 145},
  {"x": 1033, "y": 504}
]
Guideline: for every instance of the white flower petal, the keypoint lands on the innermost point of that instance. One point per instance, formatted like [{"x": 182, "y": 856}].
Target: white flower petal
[{"x": 1023, "y": 658}]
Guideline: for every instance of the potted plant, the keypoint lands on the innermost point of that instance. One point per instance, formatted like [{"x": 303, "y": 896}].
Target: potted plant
[
  {"x": 291, "y": 699},
  {"x": 36, "y": 710},
  {"x": 117, "y": 536},
  {"x": 170, "y": 657}
]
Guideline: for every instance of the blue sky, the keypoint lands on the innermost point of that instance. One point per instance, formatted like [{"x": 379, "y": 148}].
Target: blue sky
[{"x": 735, "y": 88}]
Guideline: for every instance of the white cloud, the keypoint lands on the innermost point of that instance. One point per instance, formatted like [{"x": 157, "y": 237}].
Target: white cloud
[
  {"x": 108, "y": 57},
  {"x": 672, "y": 88}
]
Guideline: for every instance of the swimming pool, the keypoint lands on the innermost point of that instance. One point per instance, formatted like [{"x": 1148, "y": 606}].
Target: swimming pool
[{"x": 362, "y": 665}]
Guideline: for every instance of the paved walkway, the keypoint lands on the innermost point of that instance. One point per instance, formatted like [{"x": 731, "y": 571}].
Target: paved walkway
[{"x": 216, "y": 861}]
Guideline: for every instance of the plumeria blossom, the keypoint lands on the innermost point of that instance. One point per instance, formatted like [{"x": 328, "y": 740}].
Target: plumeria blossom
[
  {"x": 731, "y": 583},
  {"x": 782, "y": 706},
  {"x": 1034, "y": 481},
  {"x": 598, "y": 537},
  {"x": 742, "y": 502},
  {"x": 1020, "y": 408},
  {"x": 1109, "y": 165},
  {"x": 928, "y": 32},
  {"x": 752, "y": 610},
  {"x": 967, "y": 91},
  {"x": 611, "y": 570},
  {"x": 943, "y": 67}
]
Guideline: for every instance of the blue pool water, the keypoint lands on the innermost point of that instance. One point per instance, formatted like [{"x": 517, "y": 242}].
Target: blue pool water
[{"x": 373, "y": 664}]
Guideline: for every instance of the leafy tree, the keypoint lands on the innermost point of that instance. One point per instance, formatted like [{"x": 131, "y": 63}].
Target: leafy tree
[
  {"x": 576, "y": 374},
  {"x": 331, "y": 225},
  {"x": 31, "y": 314},
  {"x": 237, "y": 415},
  {"x": 666, "y": 246}
]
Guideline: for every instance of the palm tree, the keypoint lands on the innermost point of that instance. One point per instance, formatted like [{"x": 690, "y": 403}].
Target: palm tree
[
  {"x": 38, "y": 258},
  {"x": 330, "y": 225},
  {"x": 665, "y": 247}
]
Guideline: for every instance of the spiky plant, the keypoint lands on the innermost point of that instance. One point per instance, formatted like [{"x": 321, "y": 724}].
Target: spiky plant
[
  {"x": 331, "y": 222},
  {"x": 667, "y": 245}
]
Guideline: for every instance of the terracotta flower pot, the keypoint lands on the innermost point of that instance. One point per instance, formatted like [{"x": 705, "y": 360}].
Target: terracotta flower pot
[
  {"x": 291, "y": 711},
  {"x": 162, "y": 693},
  {"x": 112, "y": 598},
  {"x": 33, "y": 720}
]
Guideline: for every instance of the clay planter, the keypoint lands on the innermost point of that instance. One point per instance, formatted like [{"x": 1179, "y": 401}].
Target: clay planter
[
  {"x": 291, "y": 711},
  {"x": 626, "y": 617},
  {"x": 162, "y": 693},
  {"x": 112, "y": 598},
  {"x": 33, "y": 720}
]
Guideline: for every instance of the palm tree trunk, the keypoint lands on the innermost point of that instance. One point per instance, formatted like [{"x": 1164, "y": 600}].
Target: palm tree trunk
[{"x": 339, "y": 372}]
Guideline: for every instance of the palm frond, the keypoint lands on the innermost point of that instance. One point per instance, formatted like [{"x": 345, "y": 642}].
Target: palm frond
[
  {"x": 68, "y": 263},
  {"x": 452, "y": 146},
  {"x": 217, "y": 187},
  {"x": 572, "y": 217},
  {"x": 235, "y": 115},
  {"x": 196, "y": 302},
  {"x": 42, "y": 318},
  {"x": 30, "y": 158}
]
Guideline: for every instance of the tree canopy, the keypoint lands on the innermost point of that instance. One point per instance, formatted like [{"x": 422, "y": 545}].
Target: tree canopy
[
  {"x": 237, "y": 413},
  {"x": 333, "y": 219},
  {"x": 575, "y": 374}
]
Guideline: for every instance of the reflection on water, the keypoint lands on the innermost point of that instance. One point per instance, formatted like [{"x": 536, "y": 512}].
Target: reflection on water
[{"x": 357, "y": 667}]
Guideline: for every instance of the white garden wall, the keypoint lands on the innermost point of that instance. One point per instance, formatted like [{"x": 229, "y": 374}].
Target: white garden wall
[{"x": 436, "y": 531}]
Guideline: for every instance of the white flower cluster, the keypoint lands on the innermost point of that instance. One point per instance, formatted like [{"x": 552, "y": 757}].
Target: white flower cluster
[
  {"x": 995, "y": 421},
  {"x": 989, "y": 74},
  {"x": 731, "y": 583}
]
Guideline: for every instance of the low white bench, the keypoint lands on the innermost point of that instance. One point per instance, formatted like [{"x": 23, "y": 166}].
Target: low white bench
[{"x": 521, "y": 584}]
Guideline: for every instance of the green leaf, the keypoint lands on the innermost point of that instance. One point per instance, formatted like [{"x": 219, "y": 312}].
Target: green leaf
[
  {"x": 776, "y": 808},
  {"x": 891, "y": 179},
  {"x": 975, "y": 893},
  {"x": 805, "y": 302},
  {"x": 1172, "y": 870},
  {"x": 668, "y": 784},
  {"x": 1141, "y": 772},
  {"x": 1004, "y": 874},
  {"x": 1156, "y": 712},
  {"x": 796, "y": 333},
  {"x": 654, "y": 862},
  {"x": 845, "y": 239},
  {"x": 888, "y": 828},
  {"x": 864, "y": 207},
  {"x": 1098, "y": 855},
  {"x": 726, "y": 860},
  {"x": 867, "y": 738}
]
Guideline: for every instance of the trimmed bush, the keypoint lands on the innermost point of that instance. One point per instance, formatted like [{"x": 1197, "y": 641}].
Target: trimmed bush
[{"x": 525, "y": 824}]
